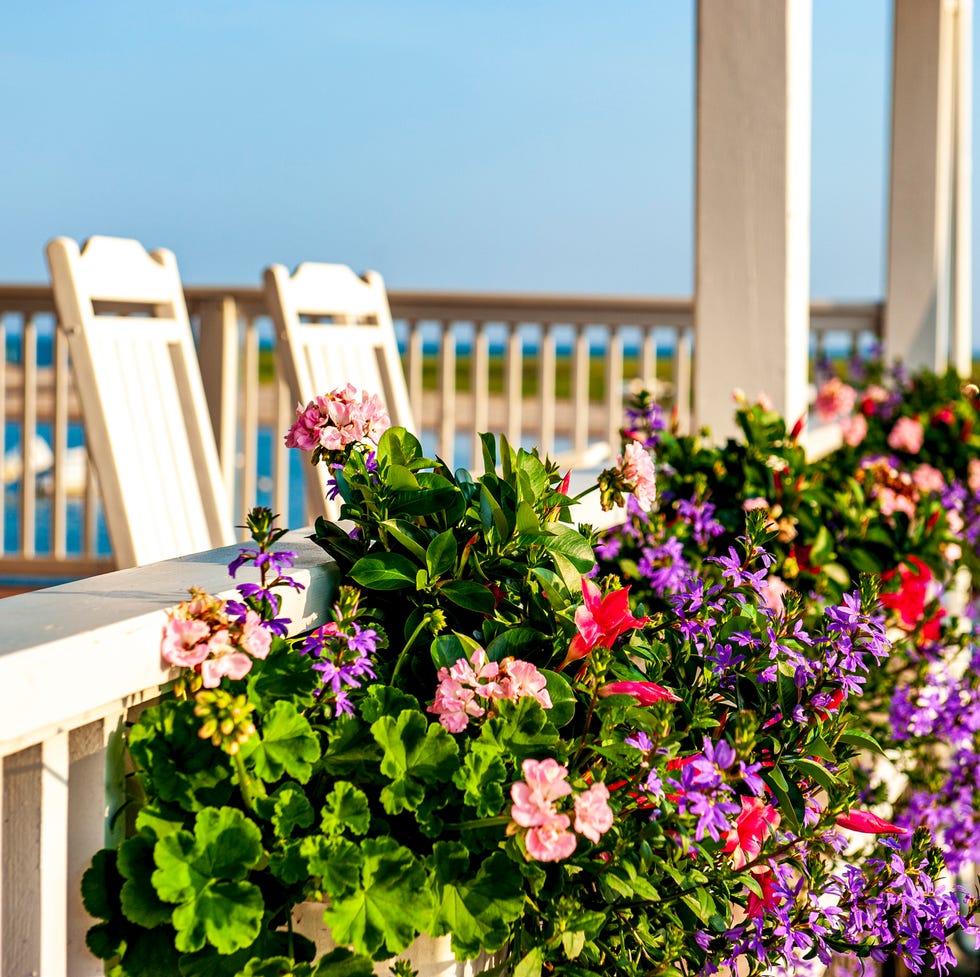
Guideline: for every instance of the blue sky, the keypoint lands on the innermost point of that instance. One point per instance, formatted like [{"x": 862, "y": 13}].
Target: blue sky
[{"x": 532, "y": 145}]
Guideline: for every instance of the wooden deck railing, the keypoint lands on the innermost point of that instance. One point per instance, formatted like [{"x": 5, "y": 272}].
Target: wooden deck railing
[
  {"x": 517, "y": 363},
  {"x": 74, "y": 661}
]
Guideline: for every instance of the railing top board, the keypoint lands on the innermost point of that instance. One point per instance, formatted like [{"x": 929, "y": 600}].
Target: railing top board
[
  {"x": 490, "y": 306},
  {"x": 69, "y": 652}
]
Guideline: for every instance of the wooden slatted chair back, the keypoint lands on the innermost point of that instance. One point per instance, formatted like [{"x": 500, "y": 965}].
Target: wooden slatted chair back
[
  {"x": 333, "y": 328},
  {"x": 139, "y": 383}
]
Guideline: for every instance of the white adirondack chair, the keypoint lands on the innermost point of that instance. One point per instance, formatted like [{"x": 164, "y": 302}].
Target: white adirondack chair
[
  {"x": 333, "y": 328},
  {"x": 147, "y": 424}
]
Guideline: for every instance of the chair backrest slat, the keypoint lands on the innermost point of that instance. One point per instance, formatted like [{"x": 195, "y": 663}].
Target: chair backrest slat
[
  {"x": 333, "y": 328},
  {"x": 147, "y": 426}
]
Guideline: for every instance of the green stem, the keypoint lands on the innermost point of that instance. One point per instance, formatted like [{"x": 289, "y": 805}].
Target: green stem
[
  {"x": 244, "y": 782},
  {"x": 403, "y": 657}
]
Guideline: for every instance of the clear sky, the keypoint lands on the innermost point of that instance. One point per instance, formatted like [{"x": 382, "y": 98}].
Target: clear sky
[{"x": 487, "y": 144}]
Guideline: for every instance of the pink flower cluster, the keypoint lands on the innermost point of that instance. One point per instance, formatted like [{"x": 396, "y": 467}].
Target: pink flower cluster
[
  {"x": 548, "y": 837},
  {"x": 200, "y": 635},
  {"x": 470, "y": 688},
  {"x": 834, "y": 399},
  {"x": 906, "y": 435},
  {"x": 334, "y": 420},
  {"x": 638, "y": 471}
]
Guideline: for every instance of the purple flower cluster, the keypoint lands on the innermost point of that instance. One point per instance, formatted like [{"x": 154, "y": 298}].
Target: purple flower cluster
[
  {"x": 700, "y": 516},
  {"x": 703, "y": 790},
  {"x": 261, "y": 596},
  {"x": 943, "y": 709},
  {"x": 342, "y": 658},
  {"x": 646, "y": 418}
]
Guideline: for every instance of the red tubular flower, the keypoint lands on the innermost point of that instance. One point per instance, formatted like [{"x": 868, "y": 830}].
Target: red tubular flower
[
  {"x": 645, "y": 693},
  {"x": 868, "y": 823},
  {"x": 600, "y": 621},
  {"x": 798, "y": 427},
  {"x": 757, "y": 906},
  {"x": 910, "y": 598}
]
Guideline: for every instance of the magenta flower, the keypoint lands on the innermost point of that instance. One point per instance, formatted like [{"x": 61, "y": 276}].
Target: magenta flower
[
  {"x": 645, "y": 693},
  {"x": 593, "y": 815},
  {"x": 756, "y": 820},
  {"x": 600, "y": 620},
  {"x": 868, "y": 823}
]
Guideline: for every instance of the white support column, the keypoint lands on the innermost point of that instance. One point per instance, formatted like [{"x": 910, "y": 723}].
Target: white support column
[
  {"x": 752, "y": 269},
  {"x": 919, "y": 300},
  {"x": 962, "y": 339}
]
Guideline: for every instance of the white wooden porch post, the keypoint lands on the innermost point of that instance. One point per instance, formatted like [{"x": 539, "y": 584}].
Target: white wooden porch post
[
  {"x": 927, "y": 308},
  {"x": 752, "y": 268}
]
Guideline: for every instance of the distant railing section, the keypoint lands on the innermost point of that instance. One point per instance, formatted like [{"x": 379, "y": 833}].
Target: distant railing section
[{"x": 550, "y": 370}]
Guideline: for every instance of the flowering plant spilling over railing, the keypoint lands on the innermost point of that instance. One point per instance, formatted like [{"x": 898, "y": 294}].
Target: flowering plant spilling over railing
[{"x": 494, "y": 741}]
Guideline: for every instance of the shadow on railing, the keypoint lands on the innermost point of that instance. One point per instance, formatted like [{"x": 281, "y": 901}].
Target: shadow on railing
[{"x": 546, "y": 370}]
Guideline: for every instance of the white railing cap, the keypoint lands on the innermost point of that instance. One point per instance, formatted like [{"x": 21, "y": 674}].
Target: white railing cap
[{"x": 73, "y": 653}]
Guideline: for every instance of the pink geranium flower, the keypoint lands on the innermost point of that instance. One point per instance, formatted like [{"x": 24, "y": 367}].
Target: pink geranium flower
[
  {"x": 593, "y": 815},
  {"x": 235, "y": 665},
  {"x": 834, "y": 399},
  {"x": 638, "y": 470},
  {"x": 854, "y": 429},
  {"x": 756, "y": 820},
  {"x": 182, "y": 642},
  {"x": 523, "y": 679},
  {"x": 534, "y": 797},
  {"x": 906, "y": 435},
  {"x": 256, "y": 638},
  {"x": 334, "y": 420},
  {"x": 600, "y": 620},
  {"x": 551, "y": 841}
]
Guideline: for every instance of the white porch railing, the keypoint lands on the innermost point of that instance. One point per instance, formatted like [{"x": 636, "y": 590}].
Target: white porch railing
[
  {"x": 521, "y": 364},
  {"x": 74, "y": 660}
]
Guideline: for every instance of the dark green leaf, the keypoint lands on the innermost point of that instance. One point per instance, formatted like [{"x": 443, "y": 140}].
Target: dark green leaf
[
  {"x": 469, "y": 595},
  {"x": 384, "y": 571},
  {"x": 440, "y": 557}
]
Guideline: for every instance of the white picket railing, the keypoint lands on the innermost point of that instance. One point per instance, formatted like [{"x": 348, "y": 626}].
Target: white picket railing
[
  {"x": 74, "y": 660},
  {"x": 468, "y": 360}
]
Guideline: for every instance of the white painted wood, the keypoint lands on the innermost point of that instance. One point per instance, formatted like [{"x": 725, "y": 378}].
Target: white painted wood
[
  {"x": 93, "y": 799},
  {"x": 54, "y": 855},
  {"x": 962, "y": 340},
  {"x": 21, "y": 875},
  {"x": 917, "y": 307},
  {"x": 753, "y": 205},
  {"x": 351, "y": 340},
  {"x": 75, "y": 653},
  {"x": 147, "y": 424},
  {"x": 218, "y": 353}
]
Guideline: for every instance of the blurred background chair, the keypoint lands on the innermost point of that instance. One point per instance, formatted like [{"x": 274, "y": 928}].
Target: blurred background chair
[
  {"x": 146, "y": 420},
  {"x": 333, "y": 328}
]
